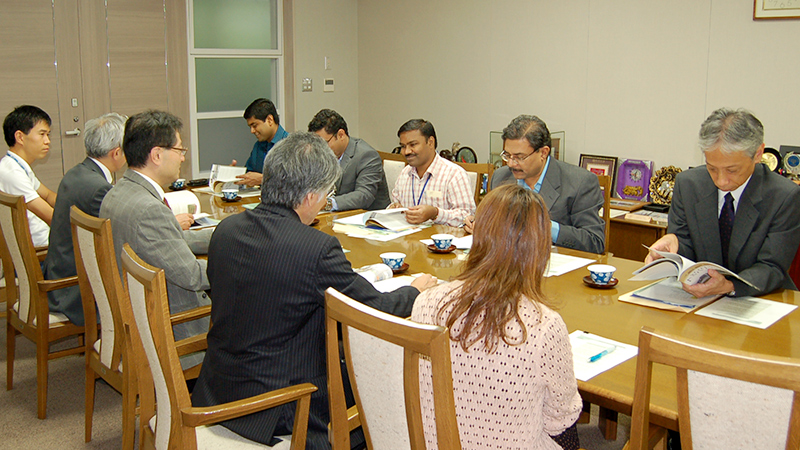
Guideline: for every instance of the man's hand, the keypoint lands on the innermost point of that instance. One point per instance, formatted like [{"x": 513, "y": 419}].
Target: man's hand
[
  {"x": 667, "y": 243},
  {"x": 394, "y": 205},
  {"x": 715, "y": 285},
  {"x": 424, "y": 281},
  {"x": 418, "y": 214},
  {"x": 186, "y": 220},
  {"x": 249, "y": 179},
  {"x": 469, "y": 224}
]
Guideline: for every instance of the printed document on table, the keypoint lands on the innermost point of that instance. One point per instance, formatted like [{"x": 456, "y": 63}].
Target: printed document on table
[
  {"x": 751, "y": 311},
  {"x": 561, "y": 264},
  {"x": 593, "y": 354}
]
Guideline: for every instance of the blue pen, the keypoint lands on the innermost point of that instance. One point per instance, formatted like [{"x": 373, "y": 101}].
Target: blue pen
[{"x": 597, "y": 357}]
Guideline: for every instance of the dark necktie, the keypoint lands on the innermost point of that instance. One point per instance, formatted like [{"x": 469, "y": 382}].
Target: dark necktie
[{"x": 726, "y": 226}]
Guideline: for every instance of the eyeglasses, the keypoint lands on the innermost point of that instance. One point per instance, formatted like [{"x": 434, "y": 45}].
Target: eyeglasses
[
  {"x": 180, "y": 150},
  {"x": 508, "y": 157},
  {"x": 329, "y": 139}
]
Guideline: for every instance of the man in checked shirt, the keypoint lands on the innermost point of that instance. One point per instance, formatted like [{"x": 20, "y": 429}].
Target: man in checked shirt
[{"x": 431, "y": 187}]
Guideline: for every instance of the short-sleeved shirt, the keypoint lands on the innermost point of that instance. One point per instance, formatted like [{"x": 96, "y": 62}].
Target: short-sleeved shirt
[
  {"x": 255, "y": 163},
  {"x": 17, "y": 178}
]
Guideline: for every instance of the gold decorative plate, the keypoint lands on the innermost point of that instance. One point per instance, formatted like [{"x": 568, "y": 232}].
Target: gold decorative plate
[{"x": 662, "y": 183}]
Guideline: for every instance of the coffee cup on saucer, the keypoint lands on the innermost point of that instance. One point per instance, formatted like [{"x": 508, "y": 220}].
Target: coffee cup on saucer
[
  {"x": 393, "y": 259},
  {"x": 601, "y": 273},
  {"x": 230, "y": 194},
  {"x": 442, "y": 241},
  {"x": 179, "y": 183}
]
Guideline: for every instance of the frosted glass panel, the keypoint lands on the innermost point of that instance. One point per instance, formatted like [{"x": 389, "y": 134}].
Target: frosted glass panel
[
  {"x": 236, "y": 24},
  {"x": 230, "y": 84},
  {"x": 221, "y": 140}
]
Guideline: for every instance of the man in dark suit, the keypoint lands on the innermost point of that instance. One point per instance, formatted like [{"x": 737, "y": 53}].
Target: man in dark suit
[
  {"x": 268, "y": 274},
  {"x": 363, "y": 183},
  {"x": 734, "y": 211},
  {"x": 84, "y": 186},
  {"x": 139, "y": 217},
  {"x": 572, "y": 194}
]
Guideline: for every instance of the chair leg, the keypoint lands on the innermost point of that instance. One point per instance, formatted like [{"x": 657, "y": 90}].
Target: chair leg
[
  {"x": 128, "y": 418},
  {"x": 607, "y": 422},
  {"x": 11, "y": 346},
  {"x": 586, "y": 413},
  {"x": 89, "y": 399},
  {"x": 41, "y": 378}
]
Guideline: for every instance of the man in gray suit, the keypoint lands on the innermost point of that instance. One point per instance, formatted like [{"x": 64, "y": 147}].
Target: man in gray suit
[
  {"x": 734, "y": 211},
  {"x": 572, "y": 194},
  {"x": 140, "y": 217},
  {"x": 363, "y": 183},
  {"x": 84, "y": 186}
]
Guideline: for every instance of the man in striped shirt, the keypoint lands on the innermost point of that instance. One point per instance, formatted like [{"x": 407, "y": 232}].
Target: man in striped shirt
[{"x": 431, "y": 187}]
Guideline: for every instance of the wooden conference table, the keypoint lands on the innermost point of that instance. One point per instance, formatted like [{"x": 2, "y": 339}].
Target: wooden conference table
[{"x": 584, "y": 308}]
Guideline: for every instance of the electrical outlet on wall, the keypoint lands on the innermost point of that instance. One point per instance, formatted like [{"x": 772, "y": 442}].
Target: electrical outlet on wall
[{"x": 307, "y": 86}]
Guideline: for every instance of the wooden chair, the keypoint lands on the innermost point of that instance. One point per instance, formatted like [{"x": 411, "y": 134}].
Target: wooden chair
[
  {"x": 393, "y": 164},
  {"x": 376, "y": 346},
  {"x": 605, "y": 185},
  {"x": 179, "y": 424},
  {"x": 726, "y": 398},
  {"x": 28, "y": 312},
  {"x": 475, "y": 173},
  {"x": 102, "y": 291}
]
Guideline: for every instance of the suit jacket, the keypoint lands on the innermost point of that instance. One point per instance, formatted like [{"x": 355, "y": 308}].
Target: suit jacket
[
  {"x": 84, "y": 186},
  {"x": 268, "y": 276},
  {"x": 363, "y": 183},
  {"x": 766, "y": 229},
  {"x": 140, "y": 218},
  {"x": 573, "y": 196}
]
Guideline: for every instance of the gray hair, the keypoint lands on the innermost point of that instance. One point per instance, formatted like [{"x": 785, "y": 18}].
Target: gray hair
[
  {"x": 104, "y": 134},
  {"x": 732, "y": 131},
  {"x": 298, "y": 165},
  {"x": 532, "y": 128}
]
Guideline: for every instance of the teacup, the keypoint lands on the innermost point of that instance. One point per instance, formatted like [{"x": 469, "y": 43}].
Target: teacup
[
  {"x": 442, "y": 241},
  {"x": 601, "y": 273},
  {"x": 230, "y": 194},
  {"x": 393, "y": 259},
  {"x": 179, "y": 183}
]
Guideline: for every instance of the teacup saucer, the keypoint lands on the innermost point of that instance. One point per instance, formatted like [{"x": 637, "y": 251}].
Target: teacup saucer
[
  {"x": 587, "y": 280},
  {"x": 402, "y": 269},
  {"x": 231, "y": 200},
  {"x": 173, "y": 188},
  {"x": 434, "y": 249}
]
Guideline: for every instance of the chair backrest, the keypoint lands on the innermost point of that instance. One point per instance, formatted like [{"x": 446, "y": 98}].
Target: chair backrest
[
  {"x": 726, "y": 398},
  {"x": 20, "y": 255},
  {"x": 100, "y": 285},
  {"x": 475, "y": 172},
  {"x": 605, "y": 185},
  {"x": 376, "y": 344},
  {"x": 147, "y": 289},
  {"x": 393, "y": 164}
]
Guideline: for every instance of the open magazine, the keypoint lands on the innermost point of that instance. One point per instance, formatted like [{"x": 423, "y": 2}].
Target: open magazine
[{"x": 687, "y": 271}]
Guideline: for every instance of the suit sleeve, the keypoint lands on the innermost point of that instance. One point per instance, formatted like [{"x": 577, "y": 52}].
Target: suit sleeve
[
  {"x": 97, "y": 199},
  {"x": 335, "y": 271},
  {"x": 369, "y": 172},
  {"x": 587, "y": 229},
  {"x": 677, "y": 224}
]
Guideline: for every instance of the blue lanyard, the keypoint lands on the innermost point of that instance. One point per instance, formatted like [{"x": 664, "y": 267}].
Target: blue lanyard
[
  {"x": 419, "y": 200},
  {"x": 11, "y": 155}
]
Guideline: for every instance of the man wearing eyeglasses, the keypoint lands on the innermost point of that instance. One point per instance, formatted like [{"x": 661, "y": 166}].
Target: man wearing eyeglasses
[
  {"x": 140, "y": 217},
  {"x": 572, "y": 194}
]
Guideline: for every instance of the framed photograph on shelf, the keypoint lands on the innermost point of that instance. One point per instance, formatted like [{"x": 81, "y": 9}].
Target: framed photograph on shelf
[
  {"x": 601, "y": 165},
  {"x": 557, "y": 140},
  {"x": 776, "y": 9}
]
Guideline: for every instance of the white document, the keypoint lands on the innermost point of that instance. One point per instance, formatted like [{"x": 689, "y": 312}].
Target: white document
[
  {"x": 183, "y": 202},
  {"x": 561, "y": 264},
  {"x": 667, "y": 294},
  {"x": 593, "y": 354},
  {"x": 204, "y": 220},
  {"x": 751, "y": 311},
  {"x": 220, "y": 175},
  {"x": 393, "y": 283}
]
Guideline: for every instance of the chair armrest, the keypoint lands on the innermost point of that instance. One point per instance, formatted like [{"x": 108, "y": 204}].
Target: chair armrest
[
  {"x": 197, "y": 416},
  {"x": 41, "y": 253},
  {"x": 189, "y": 315},
  {"x": 192, "y": 344},
  {"x": 61, "y": 283}
]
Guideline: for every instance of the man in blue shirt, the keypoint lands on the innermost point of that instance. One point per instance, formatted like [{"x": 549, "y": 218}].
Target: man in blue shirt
[{"x": 262, "y": 118}]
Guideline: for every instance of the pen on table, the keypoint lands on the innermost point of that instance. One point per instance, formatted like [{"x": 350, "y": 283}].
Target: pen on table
[{"x": 597, "y": 357}]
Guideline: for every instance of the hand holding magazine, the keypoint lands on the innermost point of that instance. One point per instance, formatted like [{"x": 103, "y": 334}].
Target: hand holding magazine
[{"x": 687, "y": 271}]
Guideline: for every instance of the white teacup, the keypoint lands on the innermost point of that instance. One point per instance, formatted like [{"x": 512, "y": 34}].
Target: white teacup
[
  {"x": 442, "y": 241},
  {"x": 393, "y": 259},
  {"x": 230, "y": 194},
  {"x": 179, "y": 183},
  {"x": 601, "y": 273}
]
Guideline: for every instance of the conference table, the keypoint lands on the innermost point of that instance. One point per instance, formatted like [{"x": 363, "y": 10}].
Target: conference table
[{"x": 597, "y": 311}]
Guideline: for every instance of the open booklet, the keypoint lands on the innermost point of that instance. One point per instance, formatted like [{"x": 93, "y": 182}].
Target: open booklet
[
  {"x": 687, "y": 271},
  {"x": 389, "y": 219}
]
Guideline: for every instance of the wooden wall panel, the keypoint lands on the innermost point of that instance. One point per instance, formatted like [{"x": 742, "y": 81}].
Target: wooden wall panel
[{"x": 178, "y": 74}]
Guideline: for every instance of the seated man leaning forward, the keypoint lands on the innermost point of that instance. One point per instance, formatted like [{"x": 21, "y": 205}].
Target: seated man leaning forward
[
  {"x": 431, "y": 187},
  {"x": 572, "y": 194},
  {"x": 265, "y": 124},
  {"x": 363, "y": 183},
  {"x": 139, "y": 217},
  {"x": 734, "y": 211},
  {"x": 268, "y": 274},
  {"x": 84, "y": 186},
  {"x": 27, "y": 133}
]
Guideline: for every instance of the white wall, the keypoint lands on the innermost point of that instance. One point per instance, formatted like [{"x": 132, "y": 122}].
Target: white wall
[{"x": 627, "y": 78}]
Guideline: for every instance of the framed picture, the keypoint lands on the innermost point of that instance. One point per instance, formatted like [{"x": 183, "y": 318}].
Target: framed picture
[
  {"x": 776, "y": 9},
  {"x": 557, "y": 145},
  {"x": 633, "y": 179},
  {"x": 601, "y": 165}
]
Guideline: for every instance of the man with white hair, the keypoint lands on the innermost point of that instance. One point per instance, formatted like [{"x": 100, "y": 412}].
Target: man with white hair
[{"x": 734, "y": 211}]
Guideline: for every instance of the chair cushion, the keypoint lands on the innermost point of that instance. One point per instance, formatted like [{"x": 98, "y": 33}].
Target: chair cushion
[
  {"x": 54, "y": 317},
  {"x": 96, "y": 347},
  {"x": 217, "y": 437}
]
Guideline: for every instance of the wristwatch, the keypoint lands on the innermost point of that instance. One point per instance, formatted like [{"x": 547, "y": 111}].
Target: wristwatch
[{"x": 328, "y": 205}]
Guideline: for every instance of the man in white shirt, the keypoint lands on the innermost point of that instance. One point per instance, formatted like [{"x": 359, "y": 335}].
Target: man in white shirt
[{"x": 27, "y": 133}]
